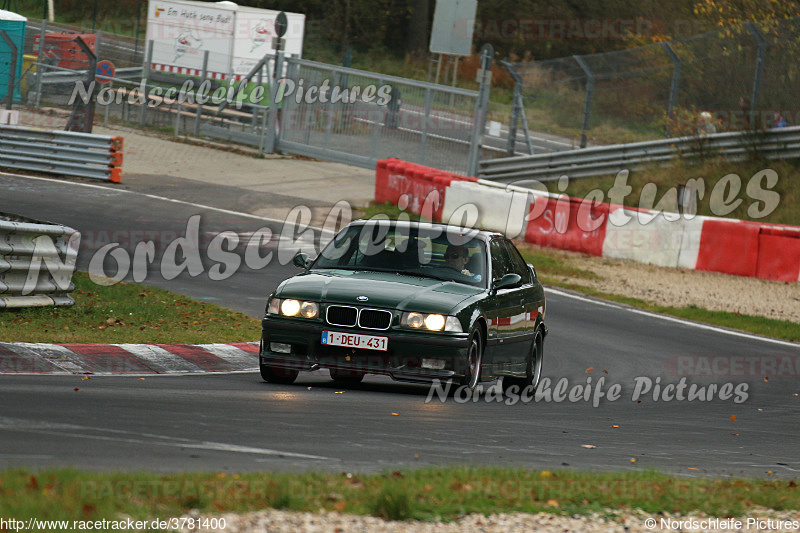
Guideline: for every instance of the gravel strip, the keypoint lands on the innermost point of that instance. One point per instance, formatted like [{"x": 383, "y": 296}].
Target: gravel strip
[{"x": 274, "y": 521}]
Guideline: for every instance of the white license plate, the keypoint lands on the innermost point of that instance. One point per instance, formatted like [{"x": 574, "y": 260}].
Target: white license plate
[{"x": 353, "y": 340}]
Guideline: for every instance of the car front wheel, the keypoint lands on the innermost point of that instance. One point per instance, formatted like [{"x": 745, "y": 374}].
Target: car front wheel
[{"x": 474, "y": 359}]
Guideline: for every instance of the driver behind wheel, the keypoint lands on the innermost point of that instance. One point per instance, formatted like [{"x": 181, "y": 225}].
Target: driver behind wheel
[{"x": 457, "y": 257}]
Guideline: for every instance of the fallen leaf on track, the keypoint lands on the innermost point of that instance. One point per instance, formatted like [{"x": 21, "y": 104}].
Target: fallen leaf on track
[{"x": 590, "y": 370}]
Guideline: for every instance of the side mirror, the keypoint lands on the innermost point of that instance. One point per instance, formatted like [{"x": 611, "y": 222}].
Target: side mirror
[
  {"x": 509, "y": 281},
  {"x": 301, "y": 260}
]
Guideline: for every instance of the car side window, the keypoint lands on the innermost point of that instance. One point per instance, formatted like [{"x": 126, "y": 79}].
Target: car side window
[
  {"x": 518, "y": 264},
  {"x": 501, "y": 265}
]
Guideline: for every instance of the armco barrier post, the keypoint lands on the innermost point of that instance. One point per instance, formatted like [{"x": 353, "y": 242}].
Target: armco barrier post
[
  {"x": 481, "y": 109},
  {"x": 203, "y": 78},
  {"x": 587, "y": 105},
  {"x": 40, "y": 67},
  {"x": 148, "y": 63}
]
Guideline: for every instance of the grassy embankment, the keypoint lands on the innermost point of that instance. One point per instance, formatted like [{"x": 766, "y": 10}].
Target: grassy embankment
[
  {"x": 444, "y": 493},
  {"x": 712, "y": 171}
]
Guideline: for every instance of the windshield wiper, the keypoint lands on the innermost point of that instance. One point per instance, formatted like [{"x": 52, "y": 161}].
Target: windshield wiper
[{"x": 422, "y": 274}]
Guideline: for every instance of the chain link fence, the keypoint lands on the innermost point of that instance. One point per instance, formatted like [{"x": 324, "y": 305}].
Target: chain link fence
[
  {"x": 370, "y": 116},
  {"x": 744, "y": 76}
]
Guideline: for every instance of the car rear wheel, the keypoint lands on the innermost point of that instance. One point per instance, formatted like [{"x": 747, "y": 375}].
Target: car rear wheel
[
  {"x": 346, "y": 378},
  {"x": 280, "y": 375},
  {"x": 535, "y": 361},
  {"x": 474, "y": 359},
  {"x": 533, "y": 368}
]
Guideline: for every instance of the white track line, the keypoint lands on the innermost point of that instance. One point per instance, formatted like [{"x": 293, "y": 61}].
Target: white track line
[
  {"x": 115, "y": 435},
  {"x": 164, "y": 199},
  {"x": 673, "y": 319}
]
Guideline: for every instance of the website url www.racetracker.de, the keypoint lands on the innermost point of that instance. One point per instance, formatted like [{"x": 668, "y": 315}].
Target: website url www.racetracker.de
[{"x": 128, "y": 524}]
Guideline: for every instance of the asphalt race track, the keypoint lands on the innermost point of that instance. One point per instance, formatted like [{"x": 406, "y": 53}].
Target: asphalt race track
[{"x": 236, "y": 422}]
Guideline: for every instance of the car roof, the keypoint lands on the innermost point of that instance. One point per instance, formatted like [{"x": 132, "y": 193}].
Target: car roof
[{"x": 485, "y": 234}]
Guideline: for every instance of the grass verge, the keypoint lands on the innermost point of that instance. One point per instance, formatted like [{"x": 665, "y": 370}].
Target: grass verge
[
  {"x": 769, "y": 327},
  {"x": 730, "y": 201},
  {"x": 429, "y": 494},
  {"x": 127, "y": 313}
]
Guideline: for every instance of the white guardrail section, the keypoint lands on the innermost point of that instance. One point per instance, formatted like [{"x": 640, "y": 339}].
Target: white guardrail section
[
  {"x": 36, "y": 262},
  {"x": 599, "y": 160},
  {"x": 66, "y": 153}
]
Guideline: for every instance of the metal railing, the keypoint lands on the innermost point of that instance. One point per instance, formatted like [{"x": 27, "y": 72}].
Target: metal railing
[
  {"x": 61, "y": 152},
  {"x": 55, "y": 75},
  {"x": 782, "y": 143},
  {"x": 36, "y": 262}
]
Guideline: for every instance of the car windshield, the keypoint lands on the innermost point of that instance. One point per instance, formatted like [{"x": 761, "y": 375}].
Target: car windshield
[{"x": 425, "y": 251}]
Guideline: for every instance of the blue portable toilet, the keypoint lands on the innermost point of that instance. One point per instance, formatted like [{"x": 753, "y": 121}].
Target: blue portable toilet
[{"x": 14, "y": 25}]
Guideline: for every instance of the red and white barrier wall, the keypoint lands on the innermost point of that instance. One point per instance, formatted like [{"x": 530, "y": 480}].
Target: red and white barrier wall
[{"x": 766, "y": 251}]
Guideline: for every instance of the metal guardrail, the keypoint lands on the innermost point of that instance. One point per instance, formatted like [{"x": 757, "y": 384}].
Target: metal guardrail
[
  {"x": 771, "y": 144},
  {"x": 61, "y": 152},
  {"x": 55, "y": 75},
  {"x": 36, "y": 262}
]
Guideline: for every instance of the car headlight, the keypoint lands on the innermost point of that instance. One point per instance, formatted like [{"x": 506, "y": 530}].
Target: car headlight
[
  {"x": 414, "y": 320},
  {"x": 431, "y": 322},
  {"x": 309, "y": 310},
  {"x": 434, "y": 322},
  {"x": 293, "y": 308},
  {"x": 290, "y": 307}
]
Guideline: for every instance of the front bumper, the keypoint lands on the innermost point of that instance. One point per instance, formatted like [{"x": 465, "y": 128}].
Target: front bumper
[{"x": 402, "y": 361}]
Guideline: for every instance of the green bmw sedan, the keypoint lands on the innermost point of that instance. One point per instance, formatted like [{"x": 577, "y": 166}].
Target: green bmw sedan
[{"x": 414, "y": 301}]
